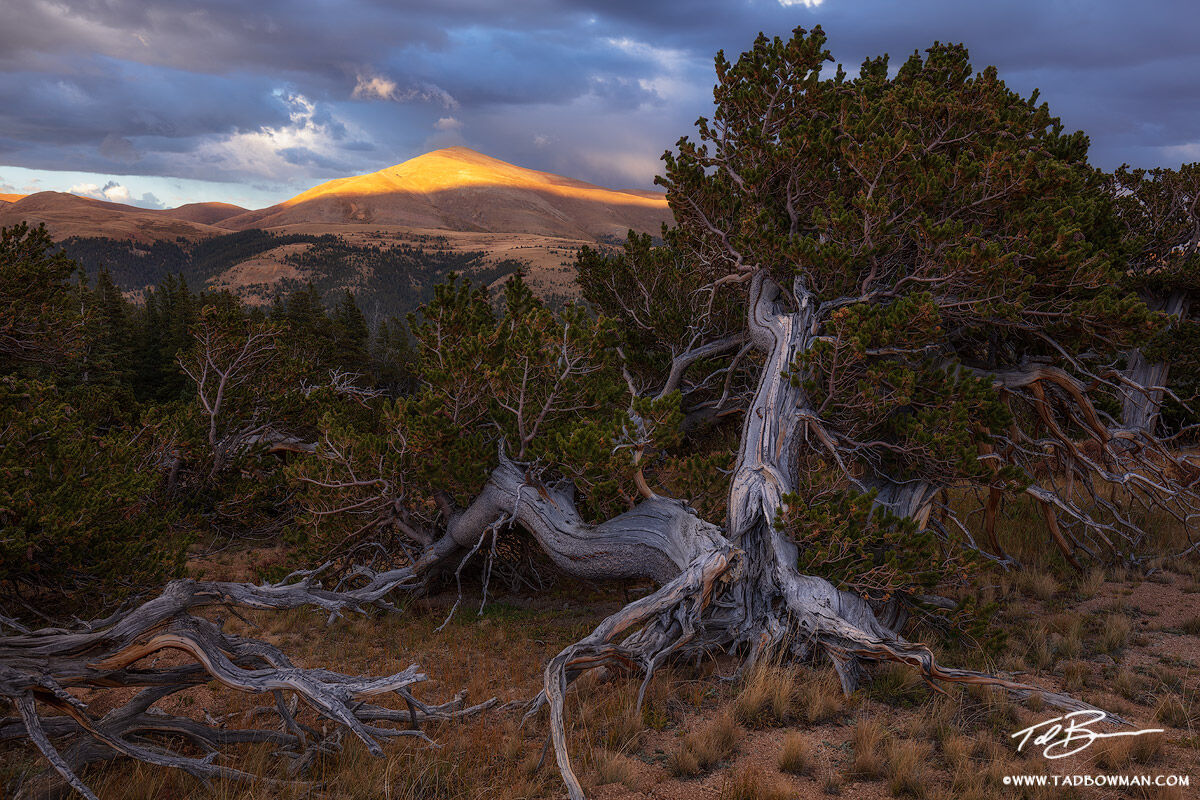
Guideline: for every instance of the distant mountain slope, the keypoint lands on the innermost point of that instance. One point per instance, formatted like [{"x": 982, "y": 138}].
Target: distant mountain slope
[
  {"x": 204, "y": 213},
  {"x": 388, "y": 236},
  {"x": 10, "y": 198},
  {"x": 67, "y": 215},
  {"x": 459, "y": 189}
]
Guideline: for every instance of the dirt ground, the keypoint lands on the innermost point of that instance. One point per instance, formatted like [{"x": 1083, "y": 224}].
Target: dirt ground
[{"x": 1128, "y": 644}]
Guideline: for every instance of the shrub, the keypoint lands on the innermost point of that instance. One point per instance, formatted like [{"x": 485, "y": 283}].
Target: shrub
[{"x": 82, "y": 524}]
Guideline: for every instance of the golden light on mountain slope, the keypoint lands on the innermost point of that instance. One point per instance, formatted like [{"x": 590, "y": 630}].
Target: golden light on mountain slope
[
  {"x": 460, "y": 167},
  {"x": 455, "y": 189},
  {"x": 461, "y": 190}
]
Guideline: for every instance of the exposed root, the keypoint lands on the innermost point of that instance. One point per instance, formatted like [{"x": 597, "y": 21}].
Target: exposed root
[
  {"x": 39, "y": 668},
  {"x": 671, "y": 617},
  {"x": 685, "y": 617}
]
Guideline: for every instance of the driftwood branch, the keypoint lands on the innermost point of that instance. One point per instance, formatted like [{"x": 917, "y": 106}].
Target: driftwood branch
[{"x": 39, "y": 669}]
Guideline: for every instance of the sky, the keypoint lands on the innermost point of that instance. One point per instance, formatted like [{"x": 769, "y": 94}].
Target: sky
[{"x": 159, "y": 103}]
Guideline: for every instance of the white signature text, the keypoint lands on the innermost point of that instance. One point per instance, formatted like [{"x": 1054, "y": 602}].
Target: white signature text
[{"x": 1064, "y": 736}]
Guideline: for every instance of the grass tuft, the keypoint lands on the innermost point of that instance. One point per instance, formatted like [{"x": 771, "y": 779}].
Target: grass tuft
[
  {"x": 704, "y": 748},
  {"x": 820, "y": 697},
  {"x": 906, "y": 768},
  {"x": 750, "y": 783},
  {"x": 796, "y": 756},
  {"x": 1115, "y": 633},
  {"x": 767, "y": 695},
  {"x": 612, "y": 767},
  {"x": 866, "y": 739}
]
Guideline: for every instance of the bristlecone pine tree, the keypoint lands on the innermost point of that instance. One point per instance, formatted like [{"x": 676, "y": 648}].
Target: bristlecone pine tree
[
  {"x": 879, "y": 290},
  {"x": 1160, "y": 210}
]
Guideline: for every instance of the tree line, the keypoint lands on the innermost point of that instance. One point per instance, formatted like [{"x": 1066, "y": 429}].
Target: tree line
[{"x": 117, "y": 451}]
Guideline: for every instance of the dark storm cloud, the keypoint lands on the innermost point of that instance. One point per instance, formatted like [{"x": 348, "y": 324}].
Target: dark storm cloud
[{"x": 275, "y": 92}]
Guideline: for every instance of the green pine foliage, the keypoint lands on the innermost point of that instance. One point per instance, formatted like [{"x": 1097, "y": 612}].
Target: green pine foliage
[
  {"x": 1159, "y": 214},
  {"x": 948, "y": 228},
  {"x": 843, "y": 538},
  {"x": 108, "y": 469},
  {"x": 78, "y": 505}
]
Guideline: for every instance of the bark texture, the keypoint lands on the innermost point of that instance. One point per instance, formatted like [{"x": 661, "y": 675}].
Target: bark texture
[
  {"x": 38, "y": 670},
  {"x": 1142, "y": 398}
]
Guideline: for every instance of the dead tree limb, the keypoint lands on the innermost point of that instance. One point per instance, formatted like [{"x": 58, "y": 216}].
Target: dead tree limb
[{"x": 40, "y": 670}]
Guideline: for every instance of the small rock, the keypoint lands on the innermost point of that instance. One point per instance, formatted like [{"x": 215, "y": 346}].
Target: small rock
[{"x": 1105, "y": 661}]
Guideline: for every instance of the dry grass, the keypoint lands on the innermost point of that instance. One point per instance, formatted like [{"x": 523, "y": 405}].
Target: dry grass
[
  {"x": 1169, "y": 678},
  {"x": 1037, "y": 584},
  {"x": 1075, "y": 675},
  {"x": 831, "y": 782},
  {"x": 1040, "y": 652},
  {"x": 1147, "y": 748},
  {"x": 992, "y": 709},
  {"x": 1114, "y": 634},
  {"x": 1112, "y": 754},
  {"x": 819, "y": 696},
  {"x": 1067, "y": 639},
  {"x": 691, "y": 723},
  {"x": 905, "y": 769},
  {"x": 1174, "y": 711},
  {"x": 1127, "y": 685},
  {"x": 1090, "y": 583},
  {"x": 704, "y": 748},
  {"x": 751, "y": 783},
  {"x": 867, "y": 740},
  {"x": 767, "y": 695},
  {"x": 797, "y": 756},
  {"x": 897, "y": 684},
  {"x": 956, "y": 750},
  {"x": 609, "y": 767}
]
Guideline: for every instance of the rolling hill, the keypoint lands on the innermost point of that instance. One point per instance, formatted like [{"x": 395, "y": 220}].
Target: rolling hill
[
  {"x": 458, "y": 189},
  {"x": 66, "y": 215},
  {"x": 387, "y": 236},
  {"x": 204, "y": 213}
]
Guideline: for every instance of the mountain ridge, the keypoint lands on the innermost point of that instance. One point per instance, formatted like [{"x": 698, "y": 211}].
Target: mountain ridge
[
  {"x": 451, "y": 189},
  {"x": 459, "y": 189}
]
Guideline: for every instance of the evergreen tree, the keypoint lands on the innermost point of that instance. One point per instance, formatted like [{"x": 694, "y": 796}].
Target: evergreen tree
[
  {"x": 170, "y": 310},
  {"x": 110, "y": 334},
  {"x": 39, "y": 330},
  {"x": 351, "y": 335},
  {"x": 1160, "y": 215}
]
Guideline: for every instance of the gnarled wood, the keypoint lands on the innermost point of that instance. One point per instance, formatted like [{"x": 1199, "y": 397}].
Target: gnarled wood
[
  {"x": 1146, "y": 381},
  {"x": 37, "y": 668}
]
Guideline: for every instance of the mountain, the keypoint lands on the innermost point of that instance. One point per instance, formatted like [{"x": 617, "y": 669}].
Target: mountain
[
  {"x": 458, "y": 189},
  {"x": 67, "y": 215},
  {"x": 389, "y": 236},
  {"x": 204, "y": 213},
  {"x": 10, "y": 198}
]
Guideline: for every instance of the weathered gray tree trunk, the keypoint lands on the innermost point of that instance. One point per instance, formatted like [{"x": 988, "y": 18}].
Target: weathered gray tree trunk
[
  {"x": 737, "y": 590},
  {"x": 765, "y": 603},
  {"x": 1141, "y": 407}
]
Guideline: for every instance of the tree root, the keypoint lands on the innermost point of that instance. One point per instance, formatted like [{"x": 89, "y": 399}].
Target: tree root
[
  {"x": 40, "y": 669},
  {"x": 686, "y": 617}
]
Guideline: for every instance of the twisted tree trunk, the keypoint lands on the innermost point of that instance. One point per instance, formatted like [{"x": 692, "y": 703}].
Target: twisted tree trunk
[
  {"x": 745, "y": 590},
  {"x": 1141, "y": 402},
  {"x": 736, "y": 590}
]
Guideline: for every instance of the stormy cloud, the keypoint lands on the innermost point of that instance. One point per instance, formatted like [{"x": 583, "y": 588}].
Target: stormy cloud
[{"x": 281, "y": 95}]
